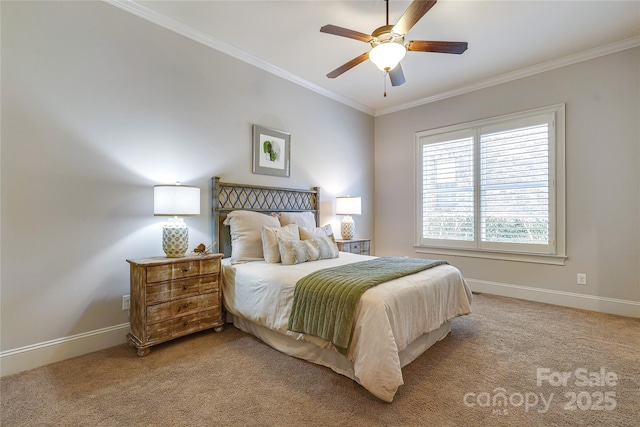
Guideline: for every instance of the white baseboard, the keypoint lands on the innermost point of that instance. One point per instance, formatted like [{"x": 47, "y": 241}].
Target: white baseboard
[
  {"x": 33, "y": 356},
  {"x": 566, "y": 299},
  {"x": 36, "y": 355}
]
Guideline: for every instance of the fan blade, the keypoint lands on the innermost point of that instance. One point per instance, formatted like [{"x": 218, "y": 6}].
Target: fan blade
[
  {"x": 440, "y": 47},
  {"x": 349, "y": 65},
  {"x": 414, "y": 12},
  {"x": 397, "y": 76},
  {"x": 344, "y": 32}
]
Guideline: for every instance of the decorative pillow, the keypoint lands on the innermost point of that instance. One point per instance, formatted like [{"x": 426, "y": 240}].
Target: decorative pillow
[
  {"x": 270, "y": 240},
  {"x": 307, "y": 233},
  {"x": 246, "y": 234},
  {"x": 303, "y": 219},
  {"x": 298, "y": 251}
]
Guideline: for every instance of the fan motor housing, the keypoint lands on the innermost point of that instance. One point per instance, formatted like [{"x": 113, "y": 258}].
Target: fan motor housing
[{"x": 385, "y": 35}]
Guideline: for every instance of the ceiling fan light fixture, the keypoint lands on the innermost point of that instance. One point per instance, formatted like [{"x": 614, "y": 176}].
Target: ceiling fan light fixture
[{"x": 387, "y": 55}]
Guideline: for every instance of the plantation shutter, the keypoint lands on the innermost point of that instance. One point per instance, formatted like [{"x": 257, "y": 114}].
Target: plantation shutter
[
  {"x": 448, "y": 189},
  {"x": 494, "y": 188},
  {"x": 515, "y": 184}
]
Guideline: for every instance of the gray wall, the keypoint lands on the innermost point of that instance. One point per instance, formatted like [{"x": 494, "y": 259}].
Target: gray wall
[
  {"x": 97, "y": 107},
  {"x": 602, "y": 99}
]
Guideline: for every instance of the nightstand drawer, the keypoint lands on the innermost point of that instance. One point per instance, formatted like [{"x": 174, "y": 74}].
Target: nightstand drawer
[
  {"x": 354, "y": 246},
  {"x": 183, "y": 325},
  {"x": 181, "y": 288},
  {"x": 181, "y": 307},
  {"x": 179, "y": 270}
]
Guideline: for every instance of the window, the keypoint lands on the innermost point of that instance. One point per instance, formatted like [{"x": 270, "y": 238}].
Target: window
[{"x": 494, "y": 188}]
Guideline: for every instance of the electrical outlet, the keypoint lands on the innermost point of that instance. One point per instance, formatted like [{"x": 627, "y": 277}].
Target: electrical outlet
[
  {"x": 582, "y": 279},
  {"x": 126, "y": 302}
]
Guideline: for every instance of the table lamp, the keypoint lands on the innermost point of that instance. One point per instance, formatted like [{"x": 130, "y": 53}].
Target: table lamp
[
  {"x": 175, "y": 200},
  {"x": 348, "y": 206}
]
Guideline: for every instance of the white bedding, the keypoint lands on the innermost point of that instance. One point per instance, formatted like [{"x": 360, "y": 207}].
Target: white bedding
[{"x": 390, "y": 316}]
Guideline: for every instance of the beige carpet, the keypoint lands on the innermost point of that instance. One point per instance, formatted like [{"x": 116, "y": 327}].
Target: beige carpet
[{"x": 231, "y": 379}]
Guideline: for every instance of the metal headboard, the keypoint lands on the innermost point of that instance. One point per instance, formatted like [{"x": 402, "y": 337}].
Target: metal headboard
[{"x": 228, "y": 197}]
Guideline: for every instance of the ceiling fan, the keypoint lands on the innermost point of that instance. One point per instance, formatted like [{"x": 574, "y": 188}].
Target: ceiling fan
[{"x": 387, "y": 42}]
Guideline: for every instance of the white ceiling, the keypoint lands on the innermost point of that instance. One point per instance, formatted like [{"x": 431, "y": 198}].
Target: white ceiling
[{"x": 507, "y": 40}]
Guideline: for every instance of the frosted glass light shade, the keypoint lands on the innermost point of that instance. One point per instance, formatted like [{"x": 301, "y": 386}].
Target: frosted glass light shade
[
  {"x": 176, "y": 200},
  {"x": 387, "y": 55}
]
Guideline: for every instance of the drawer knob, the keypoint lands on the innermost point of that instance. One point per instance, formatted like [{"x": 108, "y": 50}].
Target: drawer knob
[
  {"x": 186, "y": 305},
  {"x": 186, "y": 269},
  {"x": 185, "y": 323},
  {"x": 184, "y": 287}
]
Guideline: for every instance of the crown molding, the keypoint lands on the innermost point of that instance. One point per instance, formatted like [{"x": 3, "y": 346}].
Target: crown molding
[
  {"x": 200, "y": 37},
  {"x": 141, "y": 11},
  {"x": 518, "y": 74}
]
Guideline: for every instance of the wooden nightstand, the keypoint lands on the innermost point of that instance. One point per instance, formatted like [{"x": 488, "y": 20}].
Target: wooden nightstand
[
  {"x": 355, "y": 246},
  {"x": 172, "y": 297}
]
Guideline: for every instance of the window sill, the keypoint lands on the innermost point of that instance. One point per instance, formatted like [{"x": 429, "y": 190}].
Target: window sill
[{"x": 502, "y": 256}]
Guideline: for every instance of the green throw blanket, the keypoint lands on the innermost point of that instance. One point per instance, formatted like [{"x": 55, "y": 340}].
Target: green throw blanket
[{"x": 324, "y": 301}]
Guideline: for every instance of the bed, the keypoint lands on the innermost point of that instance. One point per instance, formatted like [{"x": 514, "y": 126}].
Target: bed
[{"x": 395, "y": 322}]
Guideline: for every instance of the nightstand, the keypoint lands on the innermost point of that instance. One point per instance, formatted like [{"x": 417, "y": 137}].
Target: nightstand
[
  {"x": 354, "y": 246},
  {"x": 173, "y": 297}
]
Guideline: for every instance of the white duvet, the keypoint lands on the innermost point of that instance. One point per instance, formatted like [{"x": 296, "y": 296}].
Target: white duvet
[{"x": 389, "y": 316}]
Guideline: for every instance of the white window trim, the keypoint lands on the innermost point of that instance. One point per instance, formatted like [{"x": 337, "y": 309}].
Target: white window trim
[{"x": 559, "y": 223}]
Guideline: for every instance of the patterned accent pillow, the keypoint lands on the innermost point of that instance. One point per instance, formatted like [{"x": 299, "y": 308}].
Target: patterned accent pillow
[
  {"x": 298, "y": 251},
  {"x": 270, "y": 240}
]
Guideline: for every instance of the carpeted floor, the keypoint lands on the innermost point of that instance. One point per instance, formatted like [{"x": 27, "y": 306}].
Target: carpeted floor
[{"x": 484, "y": 373}]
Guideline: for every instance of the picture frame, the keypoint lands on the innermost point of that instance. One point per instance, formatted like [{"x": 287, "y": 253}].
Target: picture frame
[{"x": 271, "y": 151}]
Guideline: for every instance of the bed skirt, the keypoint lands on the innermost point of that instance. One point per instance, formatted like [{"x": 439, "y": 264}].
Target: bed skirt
[{"x": 327, "y": 356}]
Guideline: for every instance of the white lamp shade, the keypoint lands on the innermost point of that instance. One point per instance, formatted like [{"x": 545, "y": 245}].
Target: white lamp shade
[
  {"x": 387, "y": 55},
  {"x": 348, "y": 206},
  {"x": 178, "y": 200}
]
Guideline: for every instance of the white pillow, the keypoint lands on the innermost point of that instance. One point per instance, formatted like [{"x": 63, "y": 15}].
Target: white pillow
[
  {"x": 270, "y": 240},
  {"x": 298, "y": 251},
  {"x": 307, "y": 233},
  {"x": 246, "y": 234},
  {"x": 303, "y": 219}
]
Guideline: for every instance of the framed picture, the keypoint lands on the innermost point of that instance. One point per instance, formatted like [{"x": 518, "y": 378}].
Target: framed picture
[{"x": 271, "y": 151}]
